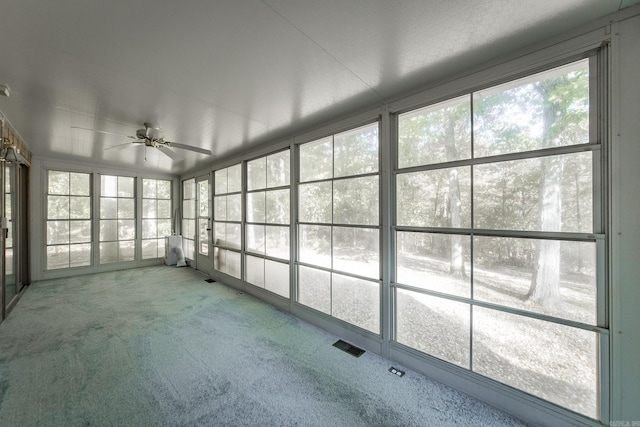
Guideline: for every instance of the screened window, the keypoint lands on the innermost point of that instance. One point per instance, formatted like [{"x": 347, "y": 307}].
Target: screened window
[
  {"x": 68, "y": 219},
  {"x": 497, "y": 239},
  {"x": 189, "y": 217},
  {"x": 156, "y": 216},
  {"x": 227, "y": 215},
  {"x": 267, "y": 223},
  {"x": 117, "y": 219},
  {"x": 339, "y": 227}
]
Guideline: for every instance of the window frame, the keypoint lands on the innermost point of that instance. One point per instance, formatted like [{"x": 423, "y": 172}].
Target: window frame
[{"x": 597, "y": 145}]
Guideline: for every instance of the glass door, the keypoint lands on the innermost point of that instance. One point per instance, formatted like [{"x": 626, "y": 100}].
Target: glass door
[
  {"x": 203, "y": 223},
  {"x": 10, "y": 277}
]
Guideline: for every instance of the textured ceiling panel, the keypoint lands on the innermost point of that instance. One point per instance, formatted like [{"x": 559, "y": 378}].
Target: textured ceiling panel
[{"x": 226, "y": 74}]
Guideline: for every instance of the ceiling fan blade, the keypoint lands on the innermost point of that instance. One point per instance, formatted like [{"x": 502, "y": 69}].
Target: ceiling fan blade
[
  {"x": 103, "y": 131},
  {"x": 169, "y": 152},
  {"x": 190, "y": 148},
  {"x": 119, "y": 146}
]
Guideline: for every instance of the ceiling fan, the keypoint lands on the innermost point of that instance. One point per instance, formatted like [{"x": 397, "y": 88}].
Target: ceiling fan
[{"x": 151, "y": 136}]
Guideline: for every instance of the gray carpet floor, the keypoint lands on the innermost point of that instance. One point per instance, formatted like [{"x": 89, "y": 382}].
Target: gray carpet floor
[{"x": 159, "y": 346}]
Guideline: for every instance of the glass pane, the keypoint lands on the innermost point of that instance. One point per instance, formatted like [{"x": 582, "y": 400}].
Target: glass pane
[
  {"x": 438, "y": 262},
  {"x": 126, "y": 186},
  {"x": 357, "y": 250},
  {"x": 189, "y": 228},
  {"x": 188, "y": 189},
  {"x": 164, "y": 209},
  {"x": 220, "y": 178},
  {"x": 555, "y": 362},
  {"x": 256, "y": 207},
  {"x": 276, "y": 278},
  {"x": 108, "y": 208},
  {"x": 356, "y": 301},
  {"x": 234, "y": 238},
  {"x": 203, "y": 198},
  {"x": 552, "y": 277},
  {"x": 80, "y": 184},
  {"x": 314, "y": 288},
  {"x": 235, "y": 181},
  {"x": 220, "y": 233},
  {"x": 203, "y": 236},
  {"x": 189, "y": 209},
  {"x": 108, "y": 186},
  {"x": 234, "y": 211},
  {"x": 58, "y": 183},
  {"x": 80, "y": 207},
  {"x": 57, "y": 257},
  {"x": 80, "y": 231},
  {"x": 127, "y": 250},
  {"x": 316, "y": 160},
  {"x": 57, "y": 207},
  {"x": 233, "y": 267},
  {"x": 315, "y": 245},
  {"x": 355, "y": 201},
  {"x": 435, "y": 134},
  {"x": 164, "y": 227},
  {"x": 126, "y": 208},
  {"x": 149, "y": 249},
  {"x": 108, "y": 252},
  {"x": 553, "y": 193},
  {"x": 220, "y": 208},
  {"x": 356, "y": 151},
  {"x": 257, "y": 174},
  {"x": 57, "y": 232},
  {"x": 126, "y": 229},
  {"x": 278, "y": 207},
  {"x": 549, "y": 109},
  {"x": 149, "y": 188},
  {"x": 164, "y": 190},
  {"x": 149, "y": 229},
  {"x": 255, "y": 238},
  {"x": 435, "y": 198},
  {"x": 149, "y": 209},
  {"x": 315, "y": 202},
  {"x": 189, "y": 248},
  {"x": 79, "y": 255},
  {"x": 278, "y": 169},
  {"x": 108, "y": 230},
  {"x": 277, "y": 242},
  {"x": 433, "y": 325},
  {"x": 254, "y": 272}
]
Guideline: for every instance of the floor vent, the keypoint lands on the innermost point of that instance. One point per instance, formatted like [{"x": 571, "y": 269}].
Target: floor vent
[
  {"x": 351, "y": 349},
  {"x": 209, "y": 280}
]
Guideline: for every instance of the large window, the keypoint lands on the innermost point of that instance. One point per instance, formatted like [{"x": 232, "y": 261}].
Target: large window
[
  {"x": 267, "y": 223},
  {"x": 156, "y": 216},
  {"x": 189, "y": 217},
  {"x": 117, "y": 219},
  {"x": 498, "y": 262},
  {"x": 227, "y": 215},
  {"x": 68, "y": 219},
  {"x": 339, "y": 227}
]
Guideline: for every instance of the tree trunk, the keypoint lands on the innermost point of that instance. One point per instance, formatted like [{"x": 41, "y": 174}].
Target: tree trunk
[
  {"x": 456, "y": 266},
  {"x": 545, "y": 282}
]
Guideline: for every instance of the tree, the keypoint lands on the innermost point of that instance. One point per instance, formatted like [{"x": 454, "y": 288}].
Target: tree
[{"x": 560, "y": 120}]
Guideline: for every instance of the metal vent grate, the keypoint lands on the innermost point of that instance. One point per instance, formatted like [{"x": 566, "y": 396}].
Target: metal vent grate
[{"x": 351, "y": 349}]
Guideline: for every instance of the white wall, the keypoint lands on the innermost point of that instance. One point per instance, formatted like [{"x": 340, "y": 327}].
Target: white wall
[{"x": 625, "y": 229}]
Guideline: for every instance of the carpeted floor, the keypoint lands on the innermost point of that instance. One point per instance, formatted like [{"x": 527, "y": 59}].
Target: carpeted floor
[{"x": 159, "y": 346}]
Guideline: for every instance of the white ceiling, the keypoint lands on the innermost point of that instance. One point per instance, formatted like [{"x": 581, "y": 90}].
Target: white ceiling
[{"x": 229, "y": 74}]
